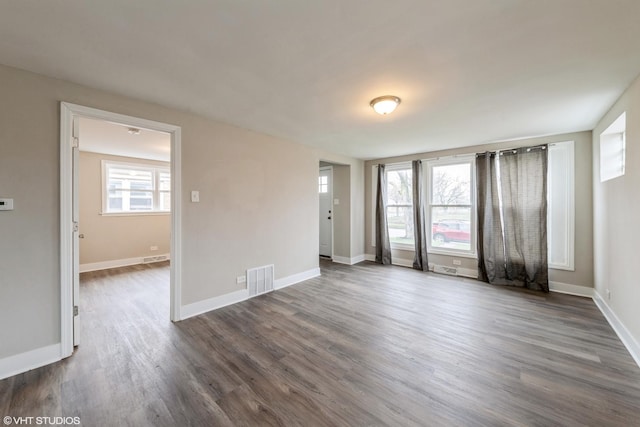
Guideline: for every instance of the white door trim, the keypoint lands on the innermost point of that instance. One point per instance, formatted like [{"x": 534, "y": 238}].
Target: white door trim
[{"x": 68, "y": 112}]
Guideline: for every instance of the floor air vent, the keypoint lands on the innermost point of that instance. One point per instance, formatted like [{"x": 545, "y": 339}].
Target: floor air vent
[
  {"x": 260, "y": 280},
  {"x": 149, "y": 259},
  {"x": 451, "y": 271}
]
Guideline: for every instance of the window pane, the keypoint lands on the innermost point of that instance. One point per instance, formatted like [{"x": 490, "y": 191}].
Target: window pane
[
  {"x": 114, "y": 201},
  {"x": 323, "y": 184},
  {"x": 165, "y": 201},
  {"x": 399, "y": 187},
  {"x": 165, "y": 181},
  {"x": 400, "y": 206},
  {"x": 400, "y": 222},
  {"x": 141, "y": 202},
  {"x": 451, "y": 185},
  {"x": 451, "y": 228},
  {"x": 130, "y": 179},
  {"x": 130, "y": 201}
]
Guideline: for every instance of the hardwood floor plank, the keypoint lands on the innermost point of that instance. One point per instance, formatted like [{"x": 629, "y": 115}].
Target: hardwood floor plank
[{"x": 360, "y": 345}]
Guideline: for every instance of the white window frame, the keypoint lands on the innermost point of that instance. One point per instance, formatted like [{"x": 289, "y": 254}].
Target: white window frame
[
  {"x": 561, "y": 210},
  {"x": 613, "y": 149},
  {"x": 428, "y": 180},
  {"x": 156, "y": 192}
]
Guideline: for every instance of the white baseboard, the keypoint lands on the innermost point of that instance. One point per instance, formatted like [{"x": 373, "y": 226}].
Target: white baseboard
[
  {"x": 468, "y": 272},
  {"x": 296, "y": 278},
  {"x": 200, "y": 307},
  {"x": 358, "y": 258},
  {"x": 23, "y": 362},
  {"x": 348, "y": 261},
  {"x": 569, "y": 289},
  {"x": 104, "y": 265},
  {"x": 402, "y": 262},
  {"x": 341, "y": 260},
  {"x": 623, "y": 333},
  {"x": 214, "y": 303}
]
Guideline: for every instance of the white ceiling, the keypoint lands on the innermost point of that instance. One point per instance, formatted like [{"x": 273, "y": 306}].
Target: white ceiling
[
  {"x": 98, "y": 136},
  {"x": 468, "y": 71}
]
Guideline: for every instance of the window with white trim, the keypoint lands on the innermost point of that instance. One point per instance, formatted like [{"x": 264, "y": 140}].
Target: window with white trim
[
  {"x": 400, "y": 206},
  {"x": 561, "y": 205},
  {"x": 131, "y": 188},
  {"x": 451, "y": 213},
  {"x": 612, "y": 149}
]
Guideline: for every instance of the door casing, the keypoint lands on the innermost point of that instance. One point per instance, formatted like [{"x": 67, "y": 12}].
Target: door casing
[{"x": 68, "y": 273}]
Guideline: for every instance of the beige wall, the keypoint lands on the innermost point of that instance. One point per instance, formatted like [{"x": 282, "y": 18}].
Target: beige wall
[
  {"x": 108, "y": 238},
  {"x": 259, "y": 202},
  {"x": 583, "y": 274},
  {"x": 341, "y": 212},
  {"x": 616, "y": 204}
]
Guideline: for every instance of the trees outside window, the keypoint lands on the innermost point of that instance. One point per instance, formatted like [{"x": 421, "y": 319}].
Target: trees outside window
[{"x": 400, "y": 205}]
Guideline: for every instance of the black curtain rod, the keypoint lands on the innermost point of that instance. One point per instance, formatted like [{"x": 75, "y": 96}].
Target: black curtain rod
[{"x": 513, "y": 150}]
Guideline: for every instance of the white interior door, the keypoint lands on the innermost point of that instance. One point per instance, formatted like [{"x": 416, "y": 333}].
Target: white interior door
[
  {"x": 325, "y": 190},
  {"x": 75, "y": 217}
]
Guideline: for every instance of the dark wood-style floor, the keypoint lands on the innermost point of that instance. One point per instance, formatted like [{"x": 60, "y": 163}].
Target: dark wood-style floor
[{"x": 361, "y": 345}]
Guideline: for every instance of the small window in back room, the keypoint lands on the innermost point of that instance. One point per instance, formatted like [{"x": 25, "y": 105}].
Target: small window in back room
[
  {"x": 130, "y": 188},
  {"x": 612, "y": 149}
]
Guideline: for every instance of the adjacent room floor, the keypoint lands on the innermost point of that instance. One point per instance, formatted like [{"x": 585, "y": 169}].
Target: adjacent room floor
[{"x": 361, "y": 345}]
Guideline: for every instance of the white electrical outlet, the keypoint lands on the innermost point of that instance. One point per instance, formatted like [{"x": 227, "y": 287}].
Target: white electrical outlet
[
  {"x": 154, "y": 248},
  {"x": 241, "y": 279},
  {"x": 457, "y": 262}
]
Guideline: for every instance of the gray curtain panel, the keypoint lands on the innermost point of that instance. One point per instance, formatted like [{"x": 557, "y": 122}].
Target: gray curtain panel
[
  {"x": 383, "y": 246},
  {"x": 490, "y": 243},
  {"x": 420, "y": 260},
  {"x": 512, "y": 218}
]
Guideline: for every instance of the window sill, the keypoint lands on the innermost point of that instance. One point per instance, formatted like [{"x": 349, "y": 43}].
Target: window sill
[
  {"x": 134, "y": 213},
  {"x": 403, "y": 247},
  {"x": 471, "y": 255}
]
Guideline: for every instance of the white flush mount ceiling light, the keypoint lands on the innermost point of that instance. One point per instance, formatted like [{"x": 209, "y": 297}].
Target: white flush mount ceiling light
[
  {"x": 133, "y": 131},
  {"x": 385, "y": 104}
]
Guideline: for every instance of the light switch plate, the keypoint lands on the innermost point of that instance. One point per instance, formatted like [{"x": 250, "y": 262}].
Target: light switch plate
[
  {"x": 6, "y": 204},
  {"x": 195, "y": 196},
  {"x": 336, "y": 201}
]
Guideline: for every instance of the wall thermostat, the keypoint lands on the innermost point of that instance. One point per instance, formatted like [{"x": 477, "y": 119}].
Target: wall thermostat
[{"x": 6, "y": 204}]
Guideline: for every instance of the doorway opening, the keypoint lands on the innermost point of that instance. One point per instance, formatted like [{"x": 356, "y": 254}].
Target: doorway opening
[{"x": 141, "y": 180}]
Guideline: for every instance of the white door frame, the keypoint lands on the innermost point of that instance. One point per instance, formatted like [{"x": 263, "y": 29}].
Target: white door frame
[
  {"x": 68, "y": 112},
  {"x": 333, "y": 216}
]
